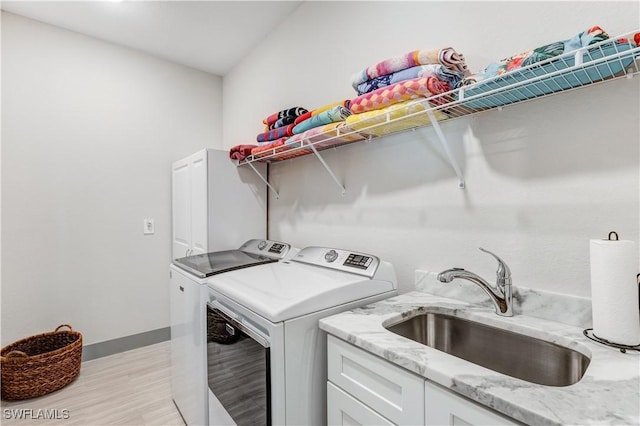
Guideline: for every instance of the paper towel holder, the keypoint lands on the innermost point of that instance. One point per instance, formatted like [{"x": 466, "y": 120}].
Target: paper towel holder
[{"x": 623, "y": 348}]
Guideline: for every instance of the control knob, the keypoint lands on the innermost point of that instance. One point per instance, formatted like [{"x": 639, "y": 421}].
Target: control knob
[
  {"x": 262, "y": 244},
  {"x": 331, "y": 256}
]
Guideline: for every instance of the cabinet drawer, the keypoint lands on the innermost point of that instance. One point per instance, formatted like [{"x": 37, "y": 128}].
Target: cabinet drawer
[
  {"x": 394, "y": 392},
  {"x": 343, "y": 410},
  {"x": 447, "y": 408}
]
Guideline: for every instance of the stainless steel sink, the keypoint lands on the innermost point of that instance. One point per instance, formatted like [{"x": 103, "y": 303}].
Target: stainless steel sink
[{"x": 506, "y": 352}]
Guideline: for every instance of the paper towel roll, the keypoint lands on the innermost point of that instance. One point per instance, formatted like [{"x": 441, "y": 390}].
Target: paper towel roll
[{"x": 614, "y": 291}]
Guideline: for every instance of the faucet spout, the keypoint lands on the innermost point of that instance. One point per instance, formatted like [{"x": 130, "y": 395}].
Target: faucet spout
[{"x": 500, "y": 295}]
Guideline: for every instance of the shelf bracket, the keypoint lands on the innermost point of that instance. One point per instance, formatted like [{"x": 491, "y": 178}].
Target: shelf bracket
[
  {"x": 264, "y": 180},
  {"x": 327, "y": 168},
  {"x": 445, "y": 145}
]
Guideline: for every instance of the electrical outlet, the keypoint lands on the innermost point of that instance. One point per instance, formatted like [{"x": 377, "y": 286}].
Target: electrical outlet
[{"x": 148, "y": 226}]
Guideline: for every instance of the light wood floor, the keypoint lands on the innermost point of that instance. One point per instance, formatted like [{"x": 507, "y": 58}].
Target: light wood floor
[{"x": 130, "y": 388}]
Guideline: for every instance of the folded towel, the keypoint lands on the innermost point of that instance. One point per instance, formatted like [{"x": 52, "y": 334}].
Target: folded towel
[
  {"x": 400, "y": 114},
  {"x": 305, "y": 116},
  {"x": 335, "y": 114},
  {"x": 240, "y": 152},
  {"x": 330, "y": 135},
  {"x": 270, "y": 142},
  {"x": 399, "y": 92},
  {"x": 266, "y": 148},
  {"x": 299, "y": 119},
  {"x": 284, "y": 121},
  {"x": 277, "y": 133},
  {"x": 447, "y": 57},
  {"x": 295, "y": 111},
  {"x": 434, "y": 70},
  {"x": 295, "y": 140},
  {"x": 585, "y": 38},
  {"x": 337, "y": 130}
]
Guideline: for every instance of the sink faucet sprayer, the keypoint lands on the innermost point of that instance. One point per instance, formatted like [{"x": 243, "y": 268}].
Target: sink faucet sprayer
[{"x": 500, "y": 295}]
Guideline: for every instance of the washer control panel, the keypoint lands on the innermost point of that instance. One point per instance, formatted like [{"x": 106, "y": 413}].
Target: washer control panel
[
  {"x": 268, "y": 248},
  {"x": 343, "y": 260},
  {"x": 358, "y": 261}
]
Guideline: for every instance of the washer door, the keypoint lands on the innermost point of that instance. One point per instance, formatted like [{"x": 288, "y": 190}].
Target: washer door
[{"x": 238, "y": 370}]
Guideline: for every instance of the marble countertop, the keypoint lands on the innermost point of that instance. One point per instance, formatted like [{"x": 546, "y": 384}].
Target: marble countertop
[{"x": 609, "y": 392}]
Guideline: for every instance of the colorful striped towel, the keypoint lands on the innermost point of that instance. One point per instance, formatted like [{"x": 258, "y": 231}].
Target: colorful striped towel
[
  {"x": 434, "y": 70},
  {"x": 585, "y": 38},
  {"x": 447, "y": 57},
  {"x": 266, "y": 149},
  {"x": 305, "y": 116},
  {"x": 399, "y": 92},
  {"x": 400, "y": 114},
  {"x": 294, "y": 111},
  {"x": 284, "y": 121},
  {"x": 335, "y": 114},
  {"x": 295, "y": 140},
  {"x": 277, "y": 133},
  {"x": 269, "y": 142},
  {"x": 240, "y": 152},
  {"x": 332, "y": 134}
]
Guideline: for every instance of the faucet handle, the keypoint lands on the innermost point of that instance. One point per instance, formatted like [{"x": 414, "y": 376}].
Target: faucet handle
[{"x": 503, "y": 273}]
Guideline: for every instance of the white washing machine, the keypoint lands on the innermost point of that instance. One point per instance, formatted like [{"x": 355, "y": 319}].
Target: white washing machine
[
  {"x": 267, "y": 363},
  {"x": 188, "y": 305}
]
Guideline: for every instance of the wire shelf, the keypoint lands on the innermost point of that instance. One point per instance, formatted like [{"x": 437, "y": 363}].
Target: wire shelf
[{"x": 609, "y": 60}]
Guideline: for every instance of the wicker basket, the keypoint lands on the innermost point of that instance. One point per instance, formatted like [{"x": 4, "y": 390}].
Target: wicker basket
[
  {"x": 40, "y": 364},
  {"x": 217, "y": 330}
]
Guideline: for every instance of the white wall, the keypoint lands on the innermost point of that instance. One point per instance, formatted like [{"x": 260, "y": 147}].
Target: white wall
[
  {"x": 89, "y": 133},
  {"x": 543, "y": 177}
]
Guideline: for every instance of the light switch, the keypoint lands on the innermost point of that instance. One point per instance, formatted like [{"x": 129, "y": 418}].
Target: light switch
[{"x": 148, "y": 226}]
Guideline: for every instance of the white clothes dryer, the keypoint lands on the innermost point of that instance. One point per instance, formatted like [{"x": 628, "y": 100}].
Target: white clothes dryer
[
  {"x": 188, "y": 306},
  {"x": 267, "y": 365}
]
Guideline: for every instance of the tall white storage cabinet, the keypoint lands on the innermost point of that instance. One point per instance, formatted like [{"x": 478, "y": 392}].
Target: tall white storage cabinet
[{"x": 216, "y": 205}]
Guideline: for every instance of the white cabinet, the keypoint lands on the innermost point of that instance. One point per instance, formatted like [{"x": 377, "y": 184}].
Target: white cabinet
[
  {"x": 393, "y": 392},
  {"x": 364, "y": 389},
  {"x": 189, "y": 205},
  {"x": 348, "y": 411},
  {"x": 444, "y": 407},
  {"x": 188, "y": 347},
  {"x": 181, "y": 207},
  {"x": 215, "y": 205}
]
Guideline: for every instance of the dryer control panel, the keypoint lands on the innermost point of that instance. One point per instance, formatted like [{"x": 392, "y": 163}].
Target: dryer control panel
[
  {"x": 267, "y": 248},
  {"x": 342, "y": 260}
]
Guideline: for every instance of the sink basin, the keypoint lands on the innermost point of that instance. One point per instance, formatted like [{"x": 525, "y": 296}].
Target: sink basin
[{"x": 506, "y": 352}]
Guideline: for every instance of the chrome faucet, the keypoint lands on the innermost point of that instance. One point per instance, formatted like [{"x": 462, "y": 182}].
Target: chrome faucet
[{"x": 500, "y": 295}]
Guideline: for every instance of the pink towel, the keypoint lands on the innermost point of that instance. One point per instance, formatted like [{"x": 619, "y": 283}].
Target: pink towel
[
  {"x": 240, "y": 152},
  {"x": 267, "y": 147},
  {"x": 448, "y": 57},
  {"x": 399, "y": 92}
]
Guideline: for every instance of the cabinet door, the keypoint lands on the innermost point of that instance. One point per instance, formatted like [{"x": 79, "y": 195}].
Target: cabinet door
[
  {"x": 199, "y": 211},
  {"x": 181, "y": 208},
  {"x": 343, "y": 410},
  {"x": 444, "y": 407},
  {"x": 396, "y": 393}
]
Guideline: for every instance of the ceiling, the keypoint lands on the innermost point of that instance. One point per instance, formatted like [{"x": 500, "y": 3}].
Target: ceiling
[{"x": 211, "y": 36}]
